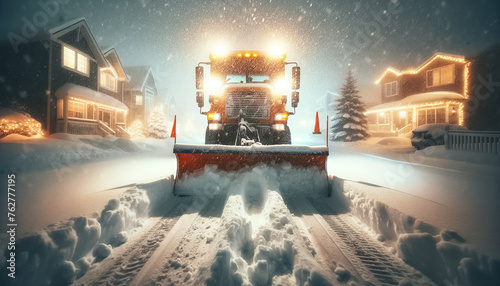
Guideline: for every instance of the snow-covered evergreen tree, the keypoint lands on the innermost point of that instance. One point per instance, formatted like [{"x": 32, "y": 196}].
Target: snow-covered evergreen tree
[
  {"x": 157, "y": 124},
  {"x": 349, "y": 122},
  {"x": 136, "y": 129}
]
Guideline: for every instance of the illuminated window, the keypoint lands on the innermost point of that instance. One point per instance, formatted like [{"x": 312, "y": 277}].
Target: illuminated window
[
  {"x": 138, "y": 100},
  {"x": 421, "y": 117},
  {"x": 69, "y": 58},
  {"x": 83, "y": 64},
  {"x": 440, "y": 115},
  {"x": 90, "y": 111},
  {"x": 75, "y": 109},
  {"x": 60, "y": 109},
  {"x": 441, "y": 76},
  {"x": 108, "y": 81},
  {"x": 75, "y": 60},
  {"x": 391, "y": 88},
  {"x": 383, "y": 118},
  {"x": 431, "y": 116}
]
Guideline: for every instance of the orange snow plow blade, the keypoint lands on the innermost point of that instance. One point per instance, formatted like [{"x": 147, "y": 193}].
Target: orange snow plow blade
[{"x": 192, "y": 158}]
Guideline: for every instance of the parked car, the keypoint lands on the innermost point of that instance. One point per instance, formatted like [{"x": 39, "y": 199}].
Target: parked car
[{"x": 431, "y": 134}]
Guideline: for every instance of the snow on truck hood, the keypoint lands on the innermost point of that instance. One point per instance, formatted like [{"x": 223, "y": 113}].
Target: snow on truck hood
[{"x": 254, "y": 149}]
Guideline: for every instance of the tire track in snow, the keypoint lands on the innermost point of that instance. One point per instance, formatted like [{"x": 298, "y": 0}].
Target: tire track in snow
[
  {"x": 366, "y": 253},
  {"x": 141, "y": 254},
  {"x": 129, "y": 261},
  {"x": 169, "y": 262}
]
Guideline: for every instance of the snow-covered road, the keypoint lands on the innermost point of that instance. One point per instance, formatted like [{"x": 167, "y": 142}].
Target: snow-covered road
[{"x": 229, "y": 238}]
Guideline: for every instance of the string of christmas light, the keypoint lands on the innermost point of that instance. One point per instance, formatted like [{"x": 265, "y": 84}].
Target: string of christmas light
[{"x": 28, "y": 127}]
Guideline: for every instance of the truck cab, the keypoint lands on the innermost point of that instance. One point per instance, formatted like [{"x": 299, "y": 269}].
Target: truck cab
[{"x": 247, "y": 96}]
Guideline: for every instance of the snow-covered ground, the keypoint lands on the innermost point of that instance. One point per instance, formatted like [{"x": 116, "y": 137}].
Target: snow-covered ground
[
  {"x": 66, "y": 175},
  {"x": 94, "y": 194}
]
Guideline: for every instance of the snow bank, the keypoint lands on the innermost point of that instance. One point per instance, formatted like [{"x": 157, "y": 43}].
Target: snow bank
[
  {"x": 442, "y": 255},
  {"x": 66, "y": 250},
  {"x": 27, "y": 154}
]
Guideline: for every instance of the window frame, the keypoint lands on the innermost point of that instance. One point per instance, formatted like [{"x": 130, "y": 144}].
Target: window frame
[
  {"x": 108, "y": 78},
  {"x": 137, "y": 96},
  {"x": 430, "y": 83},
  {"x": 83, "y": 109},
  {"x": 76, "y": 64},
  {"x": 391, "y": 85}
]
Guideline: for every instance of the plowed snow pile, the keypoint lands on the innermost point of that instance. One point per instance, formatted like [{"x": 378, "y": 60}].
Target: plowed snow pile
[{"x": 260, "y": 243}]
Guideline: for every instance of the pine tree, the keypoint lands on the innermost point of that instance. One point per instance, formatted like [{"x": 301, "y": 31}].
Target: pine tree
[
  {"x": 136, "y": 129},
  {"x": 349, "y": 122},
  {"x": 157, "y": 124}
]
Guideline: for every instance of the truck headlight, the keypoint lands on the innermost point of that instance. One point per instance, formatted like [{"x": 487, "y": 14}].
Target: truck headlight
[
  {"x": 213, "y": 116},
  {"x": 215, "y": 126},
  {"x": 280, "y": 86},
  {"x": 215, "y": 86},
  {"x": 281, "y": 117},
  {"x": 279, "y": 127}
]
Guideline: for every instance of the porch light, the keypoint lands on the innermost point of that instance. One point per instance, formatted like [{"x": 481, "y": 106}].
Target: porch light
[{"x": 402, "y": 114}]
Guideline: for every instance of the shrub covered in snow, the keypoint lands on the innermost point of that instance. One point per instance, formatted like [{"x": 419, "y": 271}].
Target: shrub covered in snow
[
  {"x": 136, "y": 129},
  {"x": 12, "y": 122},
  {"x": 157, "y": 124}
]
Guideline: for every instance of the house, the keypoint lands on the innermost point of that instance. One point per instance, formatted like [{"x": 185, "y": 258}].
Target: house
[
  {"x": 435, "y": 92},
  {"x": 141, "y": 93},
  {"x": 166, "y": 102},
  {"x": 69, "y": 84}
]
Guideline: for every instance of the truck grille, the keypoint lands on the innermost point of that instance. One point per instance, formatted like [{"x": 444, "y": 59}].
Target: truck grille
[{"x": 255, "y": 104}]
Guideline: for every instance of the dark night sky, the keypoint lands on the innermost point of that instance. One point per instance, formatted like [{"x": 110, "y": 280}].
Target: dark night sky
[{"x": 326, "y": 37}]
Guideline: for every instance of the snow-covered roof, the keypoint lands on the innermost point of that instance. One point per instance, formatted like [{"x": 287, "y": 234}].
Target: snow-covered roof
[
  {"x": 112, "y": 57},
  {"x": 138, "y": 77},
  {"x": 451, "y": 57},
  {"x": 419, "y": 98},
  {"x": 78, "y": 91},
  {"x": 62, "y": 29}
]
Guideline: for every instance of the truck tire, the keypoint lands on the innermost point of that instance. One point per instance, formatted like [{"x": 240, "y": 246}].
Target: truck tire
[
  {"x": 211, "y": 137},
  {"x": 283, "y": 137}
]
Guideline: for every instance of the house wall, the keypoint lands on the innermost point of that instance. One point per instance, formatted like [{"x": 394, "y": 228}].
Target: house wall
[
  {"x": 118, "y": 94},
  {"x": 390, "y": 77},
  {"x": 409, "y": 84},
  {"x": 135, "y": 112},
  {"x": 62, "y": 75}
]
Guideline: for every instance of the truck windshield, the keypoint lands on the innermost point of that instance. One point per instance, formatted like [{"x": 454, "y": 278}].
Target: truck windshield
[{"x": 241, "y": 78}]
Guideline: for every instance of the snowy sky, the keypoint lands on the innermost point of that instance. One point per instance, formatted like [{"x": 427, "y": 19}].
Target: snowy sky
[{"x": 325, "y": 37}]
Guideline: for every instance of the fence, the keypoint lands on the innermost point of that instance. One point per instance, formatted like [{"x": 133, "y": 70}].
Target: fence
[{"x": 473, "y": 141}]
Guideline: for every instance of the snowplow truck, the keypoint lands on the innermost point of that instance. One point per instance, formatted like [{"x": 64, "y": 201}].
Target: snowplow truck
[
  {"x": 247, "y": 119},
  {"x": 246, "y": 92}
]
